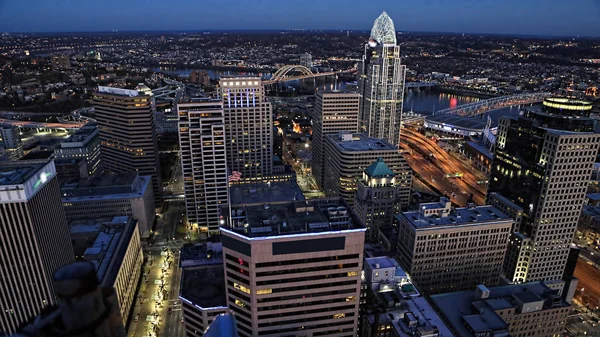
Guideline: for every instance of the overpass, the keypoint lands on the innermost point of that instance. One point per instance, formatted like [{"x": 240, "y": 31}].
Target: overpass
[
  {"x": 281, "y": 75},
  {"x": 483, "y": 106},
  {"x": 42, "y": 125}
]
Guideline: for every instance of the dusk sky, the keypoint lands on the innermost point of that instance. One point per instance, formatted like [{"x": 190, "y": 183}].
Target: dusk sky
[{"x": 540, "y": 17}]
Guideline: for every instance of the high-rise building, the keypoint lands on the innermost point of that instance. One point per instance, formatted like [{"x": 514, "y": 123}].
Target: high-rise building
[
  {"x": 346, "y": 157},
  {"x": 306, "y": 60},
  {"x": 127, "y": 135},
  {"x": 294, "y": 269},
  {"x": 334, "y": 112},
  {"x": 543, "y": 162},
  {"x": 203, "y": 162},
  {"x": 248, "y": 126},
  {"x": 377, "y": 198},
  {"x": 11, "y": 140},
  {"x": 381, "y": 83},
  {"x": 34, "y": 240},
  {"x": 85, "y": 143},
  {"x": 447, "y": 249}
]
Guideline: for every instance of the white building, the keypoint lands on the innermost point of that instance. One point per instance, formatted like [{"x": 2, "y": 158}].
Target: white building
[{"x": 202, "y": 139}]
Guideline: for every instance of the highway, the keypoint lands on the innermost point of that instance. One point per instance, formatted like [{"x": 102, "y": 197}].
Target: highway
[
  {"x": 588, "y": 289},
  {"x": 434, "y": 169}
]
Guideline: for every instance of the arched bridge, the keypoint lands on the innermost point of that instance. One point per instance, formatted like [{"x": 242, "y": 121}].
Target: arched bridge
[
  {"x": 281, "y": 75},
  {"x": 483, "y": 106}
]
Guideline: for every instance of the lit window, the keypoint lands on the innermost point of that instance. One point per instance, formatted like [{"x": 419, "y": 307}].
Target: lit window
[
  {"x": 264, "y": 291},
  {"x": 340, "y": 315}
]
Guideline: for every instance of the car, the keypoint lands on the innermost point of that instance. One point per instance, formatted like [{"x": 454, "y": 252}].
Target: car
[
  {"x": 182, "y": 320},
  {"x": 137, "y": 318}
]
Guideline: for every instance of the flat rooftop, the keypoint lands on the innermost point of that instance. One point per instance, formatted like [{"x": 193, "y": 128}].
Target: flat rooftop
[
  {"x": 201, "y": 254},
  {"x": 123, "y": 179},
  {"x": 463, "y": 306},
  {"x": 204, "y": 286},
  {"x": 261, "y": 193},
  {"x": 295, "y": 217},
  {"x": 360, "y": 142},
  {"x": 14, "y": 173},
  {"x": 484, "y": 150},
  {"x": 82, "y": 133},
  {"x": 462, "y": 122},
  {"x": 382, "y": 261},
  {"x": 456, "y": 217}
]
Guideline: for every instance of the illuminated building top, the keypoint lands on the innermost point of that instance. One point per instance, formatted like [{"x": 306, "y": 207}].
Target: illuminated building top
[
  {"x": 564, "y": 103},
  {"x": 19, "y": 182},
  {"x": 383, "y": 30}
]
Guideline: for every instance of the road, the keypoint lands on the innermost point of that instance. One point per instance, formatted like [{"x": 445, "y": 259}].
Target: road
[
  {"x": 588, "y": 289},
  {"x": 434, "y": 170}
]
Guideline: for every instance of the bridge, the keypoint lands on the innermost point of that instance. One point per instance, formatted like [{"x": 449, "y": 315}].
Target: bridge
[
  {"x": 281, "y": 75},
  {"x": 411, "y": 85},
  {"x": 42, "y": 125},
  {"x": 483, "y": 106}
]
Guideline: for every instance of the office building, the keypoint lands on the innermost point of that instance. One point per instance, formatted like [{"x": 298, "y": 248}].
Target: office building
[
  {"x": 85, "y": 309},
  {"x": 85, "y": 143},
  {"x": 520, "y": 310},
  {"x": 202, "y": 140},
  {"x": 113, "y": 246},
  {"x": 294, "y": 269},
  {"x": 248, "y": 126},
  {"x": 127, "y": 135},
  {"x": 543, "y": 162},
  {"x": 394, "y": 306},
  {"x": 11, "y": 140},
  {"x": 224, "y": 325},
  {"x": 347, "y": 155},
  {"x": 109, "y": 196},
  {"x": 448, "y": 249},
  {"x": 334, "y": 112},
  {"x": 202, "y": 290},
  {"x": 34, "y": 240},
  {"x": 377, "y": 198},
  {"x": 381, "y": 83},
  {"x": 306, "y": 60}
]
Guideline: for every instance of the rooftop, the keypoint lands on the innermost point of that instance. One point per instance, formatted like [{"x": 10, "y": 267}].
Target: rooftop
[
  {"x": 481, "y": 149},
  {"x": 81, "y": 135},
  {"x": 294, "y": 217},
  {"x": 479, "y": 312},
  {"x": 204, "y": 286},
  {"x": 123, "y": 179},
  {"x": 450, "y": 217},
  {"x": 458, "y": 121},
  {"x": 360, "y": 142},
  {"x": 263, "y": 192},
  {"x": 379, "y": 169},
  {"x": 201, "y": 254},
  {"x": 382, "y": 261},
  {"x": 17, "y": 173}
]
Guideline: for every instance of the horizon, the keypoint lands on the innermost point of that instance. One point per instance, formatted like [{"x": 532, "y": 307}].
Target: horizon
[{"x": 509, "y": 18}]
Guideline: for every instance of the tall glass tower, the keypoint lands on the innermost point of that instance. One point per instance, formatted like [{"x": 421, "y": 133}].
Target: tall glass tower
[{"x": 381, "y": 83}]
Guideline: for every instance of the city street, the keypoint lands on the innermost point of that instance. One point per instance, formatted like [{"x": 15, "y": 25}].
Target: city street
[
  {"x": 439, "y": 164},
  {"x": 588, "y": 289}
]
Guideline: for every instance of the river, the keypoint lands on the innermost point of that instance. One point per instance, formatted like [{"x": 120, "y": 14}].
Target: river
[{"x": 421, "y": 101}]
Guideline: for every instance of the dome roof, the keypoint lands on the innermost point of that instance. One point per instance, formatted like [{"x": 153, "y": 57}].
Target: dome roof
[{"x": 383, "y": 30}]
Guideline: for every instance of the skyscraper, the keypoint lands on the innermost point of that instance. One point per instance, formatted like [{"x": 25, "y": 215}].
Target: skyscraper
[
  {"x": 306, "y": 60},
  {"x": 381, "y": 82},
  {"x": 83, "y": 143},
  {"x": 377, "y": 198},
  {"x": 248, "y": 126},
  {"x": 346, "y": 157},
  {"x": 127, "y": 136},
  {"x": 203, "y": 162},
  {"x": 543, "y": 162},
  {"x": 334, "y": 112},
  {"x": 11, "y": 139},
  {"x": 34, "y": 240},
  {"x": 294, "y": 269}
]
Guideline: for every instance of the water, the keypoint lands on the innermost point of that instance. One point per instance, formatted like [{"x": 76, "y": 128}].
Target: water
[{"x": 423, "y": 101}]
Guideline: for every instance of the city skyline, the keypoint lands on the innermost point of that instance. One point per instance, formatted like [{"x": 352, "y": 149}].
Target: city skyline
[{"x": 485, "y": 17}]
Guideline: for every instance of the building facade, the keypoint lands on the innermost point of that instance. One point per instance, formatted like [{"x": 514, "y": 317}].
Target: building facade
[
  {"x": 306, "y": 60},
  {"x": 248, "y": 126},
  {"x": 11, "y": 140},
  {"x": 447, "y": 249},
  {"x": 543, "y": 162},
  {"x": 85, "y": 143},
  {"x": 377, "y": 198},
  {"x": 109, "y": 196},
  {"x": 294, "y": 269},
  {"x": 346, "y": 157},
  {"x": 113, "y": 245},
  {"x": 334, "y": 112},
  {"x": 33, "y": 228},
  {"x": 127, "y": 135},
  {"x": 381, "y": 83},
  {"x": 202, "y": 139}
]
